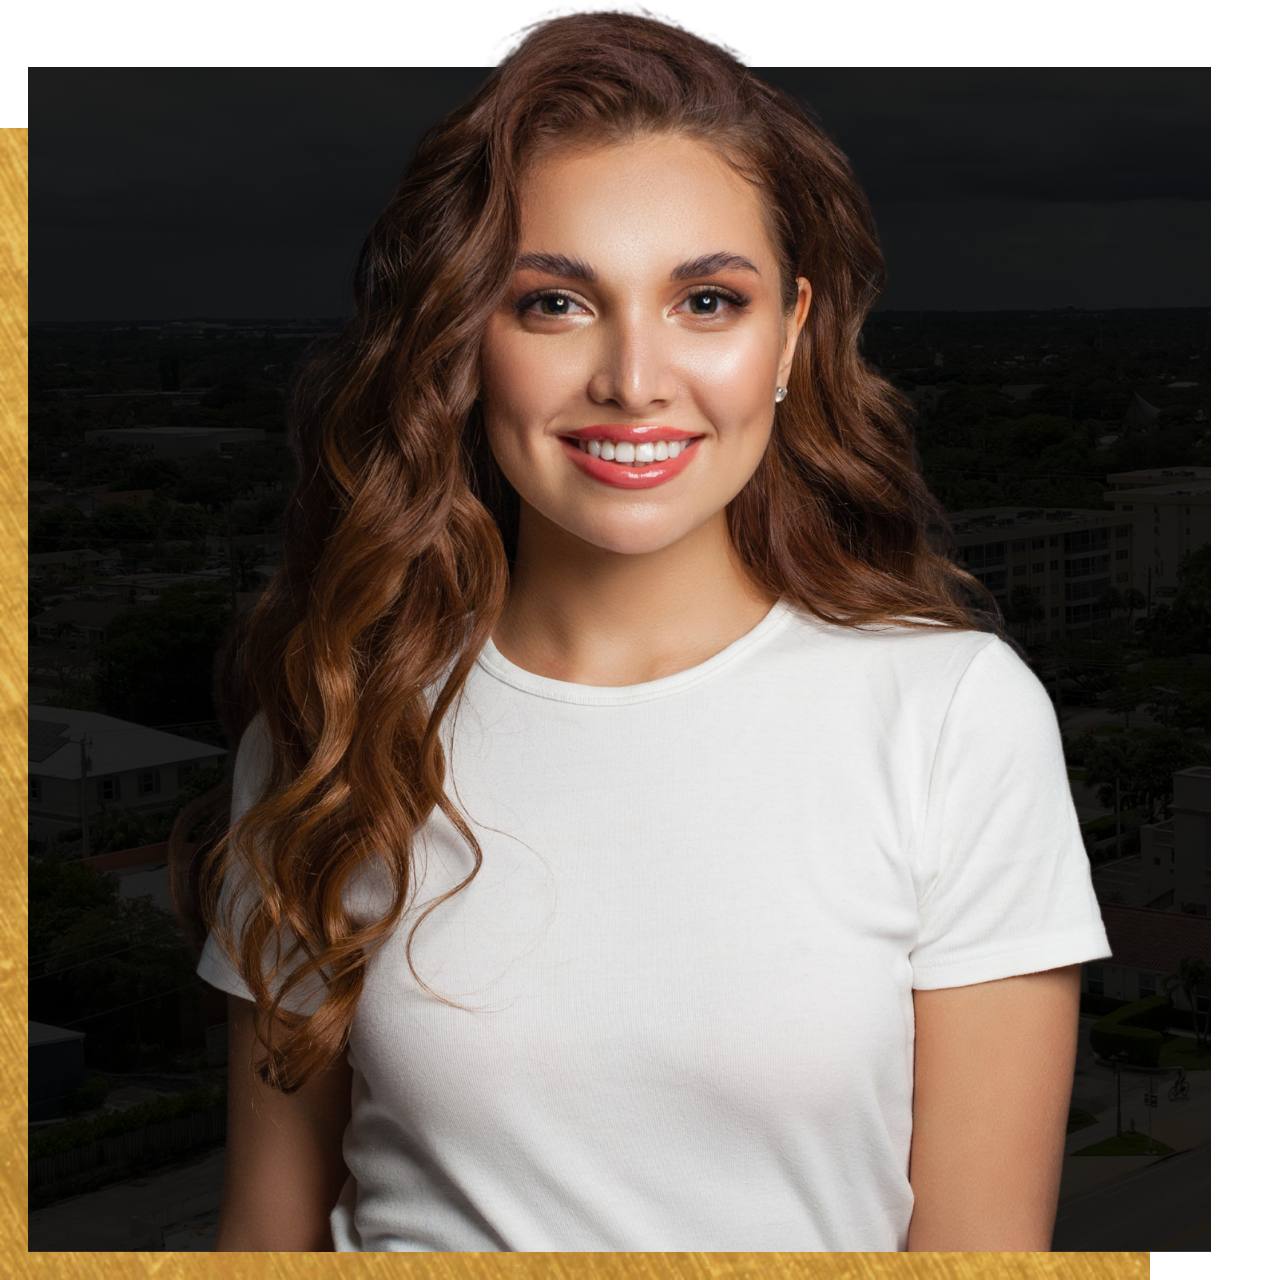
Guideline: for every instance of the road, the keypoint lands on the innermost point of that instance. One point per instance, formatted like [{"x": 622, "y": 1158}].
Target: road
[{"x": 1162, "y": 1208}]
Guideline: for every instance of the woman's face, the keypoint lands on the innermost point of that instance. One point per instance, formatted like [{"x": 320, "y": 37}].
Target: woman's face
[{"x": 629, "y": 376}]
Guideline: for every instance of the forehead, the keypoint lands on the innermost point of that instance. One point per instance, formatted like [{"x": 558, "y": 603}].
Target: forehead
[{"x": 656, "y": 200}]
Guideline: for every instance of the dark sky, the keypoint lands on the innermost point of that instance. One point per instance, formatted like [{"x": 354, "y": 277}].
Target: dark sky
[{"x": 208, "y": 193}]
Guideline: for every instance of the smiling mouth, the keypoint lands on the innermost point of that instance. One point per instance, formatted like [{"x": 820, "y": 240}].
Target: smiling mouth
[{"x": 630, "y": 454}]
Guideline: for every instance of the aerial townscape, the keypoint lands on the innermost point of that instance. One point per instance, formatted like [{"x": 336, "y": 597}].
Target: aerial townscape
[{"x": 1070, "y": 450}]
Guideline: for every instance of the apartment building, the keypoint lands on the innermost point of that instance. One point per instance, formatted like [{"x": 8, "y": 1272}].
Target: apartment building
[
  {"x": 1068, "y": 558},
  {"x": 1169, "y": 510},
  {"x": 1174, "y": 854}
]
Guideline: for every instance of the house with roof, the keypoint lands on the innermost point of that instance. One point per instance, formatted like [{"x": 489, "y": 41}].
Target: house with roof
[
  {"x": 1147, "y": 946},
  {"x": 78, "y": 622},
  {"x": 123, "y": 764}
]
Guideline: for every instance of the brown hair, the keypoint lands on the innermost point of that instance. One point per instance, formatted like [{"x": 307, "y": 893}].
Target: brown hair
[{"x": 401, "y": 528}]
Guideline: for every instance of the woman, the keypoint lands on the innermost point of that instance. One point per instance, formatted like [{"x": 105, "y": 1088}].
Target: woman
[{"x": 722, "y": 891}]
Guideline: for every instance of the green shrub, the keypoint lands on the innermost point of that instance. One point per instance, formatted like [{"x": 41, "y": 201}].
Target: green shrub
[
  {"x": 88, "y": 1095},
  {"x": 1099, "y": 1006},
  {"x": 1134, "y": 1029},
  {"x": 80, "y": 1133}
]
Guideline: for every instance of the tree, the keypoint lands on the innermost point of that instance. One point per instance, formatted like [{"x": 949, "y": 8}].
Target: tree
[
  {"x": 102, "y": 963},
  {"x": 1191, "y": 977},
  {"x": 1133, "y": 599},
  {"x": 155, "y": 663},
  {"x": 1158, "y": 754},
  {"x": 1109, "y": 766},
  {"x": 1023, "y": 608}
]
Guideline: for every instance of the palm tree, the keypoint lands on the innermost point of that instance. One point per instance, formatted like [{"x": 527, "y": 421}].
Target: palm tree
[
  {"x": 1108, "y": 764},
  {"x": 1023, "y": 608},
  {"x": 1133, "y": 599},
  {"x": 1190, "y": 977},
  {"x": 1122, "y": 699}
]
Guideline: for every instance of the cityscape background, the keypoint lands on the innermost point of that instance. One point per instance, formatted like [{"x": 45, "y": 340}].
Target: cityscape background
[{"x": 1046, "y": 235}]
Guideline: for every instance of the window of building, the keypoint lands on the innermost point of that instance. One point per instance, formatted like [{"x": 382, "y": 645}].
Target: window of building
[
  {"x": 33, "y": 789},
  {"x": 1188, "y": 513},
  {"x": 148, "y": 782},
  {"x": 1053, "y": 588},
  {"x": 1038, "y": 567},
  {"x": 1053, "y": 564},
  {"x": 1126, "y": 506},
  {"x": 993, "y": 579},
  {"x": 1053, "y": 613},
  {"x": 1085, "y": 565},
  {"x": 1093, "y": 975},
  {"x": 1124, "y": 530},
  {"x": 1086, "y": 540},
  {"x": 1037, "y": 544},
  {"x": 1086, "y": 612},
  {"x": 1022, "y": 545},
  {"x": 980, "y": 557},
  {"x": 108, "y": 789},
  {"x": 1053, "y": 542},
  {"x": 1019, "y": 570},
  {"x": 1148, "y": 985},
  {"x": 1053, "y": 635},
  {"x": 1155, "y": 862},
  {"x": 1122, "y": 577},
  {"x": 1122, "y": 555},
  {"x": 184, "y": 773}
]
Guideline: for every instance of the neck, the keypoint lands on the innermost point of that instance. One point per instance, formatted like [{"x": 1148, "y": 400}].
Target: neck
[{"x": 582, "y": 614}]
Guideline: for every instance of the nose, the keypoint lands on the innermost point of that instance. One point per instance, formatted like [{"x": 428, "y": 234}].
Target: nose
[{"x": 635, "y": 372}]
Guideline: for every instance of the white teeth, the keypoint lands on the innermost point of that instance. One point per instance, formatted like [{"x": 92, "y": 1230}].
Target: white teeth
[{"x": 625, "y": 451}]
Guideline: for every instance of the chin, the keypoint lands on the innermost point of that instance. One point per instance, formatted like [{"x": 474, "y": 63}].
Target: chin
[{"x": 638, "y": 538}]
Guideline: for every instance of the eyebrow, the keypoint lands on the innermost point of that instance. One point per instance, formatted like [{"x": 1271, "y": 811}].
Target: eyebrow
[{"x": 558, "y": 264}]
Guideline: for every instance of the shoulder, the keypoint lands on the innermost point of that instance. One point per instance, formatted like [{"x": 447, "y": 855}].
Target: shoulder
[{"x": 931, "y": 654}]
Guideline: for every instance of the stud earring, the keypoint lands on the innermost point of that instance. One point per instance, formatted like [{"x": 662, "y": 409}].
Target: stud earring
[{"x": 779, "y": 395}]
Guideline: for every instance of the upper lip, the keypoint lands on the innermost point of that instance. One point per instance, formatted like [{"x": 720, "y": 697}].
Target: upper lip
[{"x": 636, "y": 435}]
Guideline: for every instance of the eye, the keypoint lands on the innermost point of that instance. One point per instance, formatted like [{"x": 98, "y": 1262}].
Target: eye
[
  {"x": 711, "y": 302},
  {"x": 548, "y": 304}
]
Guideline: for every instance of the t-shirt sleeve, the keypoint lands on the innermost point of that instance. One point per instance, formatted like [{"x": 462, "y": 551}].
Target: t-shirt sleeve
[
  {"x": 1003, "y": 878},
  {"x": 252, "y": 770}
]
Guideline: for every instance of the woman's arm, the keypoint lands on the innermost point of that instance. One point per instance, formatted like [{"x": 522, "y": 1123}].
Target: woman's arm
[
  {"x": 994, "y": 1065},
  {"x": 284, "y": 1151}
]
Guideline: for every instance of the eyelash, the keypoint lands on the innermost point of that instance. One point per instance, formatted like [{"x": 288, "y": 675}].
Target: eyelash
[{"x": 736, "y": 300}]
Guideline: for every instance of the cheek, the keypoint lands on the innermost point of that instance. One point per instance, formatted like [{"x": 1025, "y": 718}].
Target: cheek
[{"x": 736, "y": 378}]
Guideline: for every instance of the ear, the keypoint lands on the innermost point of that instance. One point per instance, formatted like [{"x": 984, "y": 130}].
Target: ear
[{"x": 793, "y": 324}]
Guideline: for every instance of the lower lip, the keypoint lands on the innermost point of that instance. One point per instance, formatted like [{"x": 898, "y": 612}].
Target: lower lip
[{"x": 623, "y": 476}]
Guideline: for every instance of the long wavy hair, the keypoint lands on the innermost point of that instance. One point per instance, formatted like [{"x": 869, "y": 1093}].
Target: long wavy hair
[{"x": 401, "y": 531}]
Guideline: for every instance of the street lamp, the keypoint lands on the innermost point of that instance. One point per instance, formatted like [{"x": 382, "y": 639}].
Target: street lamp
[{"x": 1115, "y": 1066}]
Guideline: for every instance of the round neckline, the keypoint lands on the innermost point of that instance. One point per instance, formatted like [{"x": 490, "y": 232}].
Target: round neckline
[{"x": 503, "y": 669}]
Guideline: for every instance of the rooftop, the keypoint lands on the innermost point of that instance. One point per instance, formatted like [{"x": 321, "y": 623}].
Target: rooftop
[
  {"x": 1144, "y": 938},
  {"x": 116, "y": 745},
  {"x": 1158, "y": 475},
  {"x": 1022, "y": 518},
  {"x": 190, "y": 433},
  {"x": 1159, "y": 492}
]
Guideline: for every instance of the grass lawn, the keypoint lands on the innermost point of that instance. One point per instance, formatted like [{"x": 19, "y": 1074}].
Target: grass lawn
[
  {"x": 1132, "y": 1143},
  {"x": 1180, "y": 1051},
  {"x": 1080, "y": 1119}
]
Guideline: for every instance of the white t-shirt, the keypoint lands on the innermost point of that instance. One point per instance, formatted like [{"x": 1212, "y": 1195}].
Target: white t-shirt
[{"x": 685, "y": 968}]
